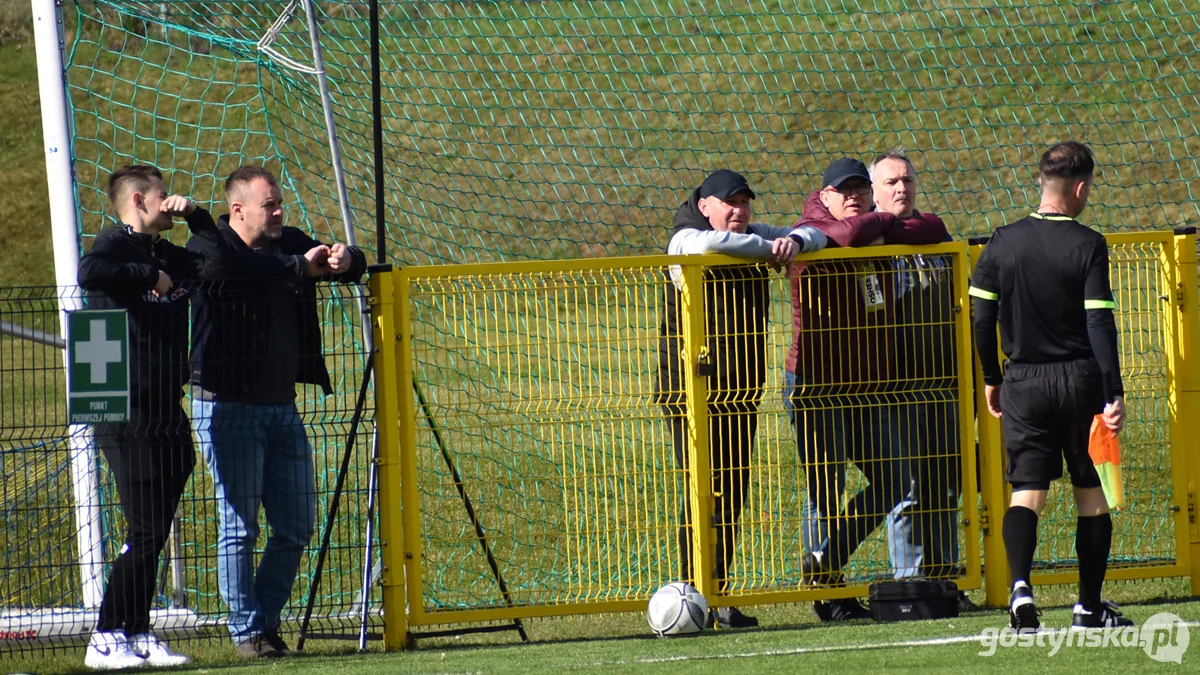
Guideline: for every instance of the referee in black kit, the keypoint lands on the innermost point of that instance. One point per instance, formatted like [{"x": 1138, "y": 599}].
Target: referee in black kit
[{"x": 1046, "y": 278}]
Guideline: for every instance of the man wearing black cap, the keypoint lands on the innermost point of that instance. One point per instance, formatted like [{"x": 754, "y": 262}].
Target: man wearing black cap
[
  {"x": 716, "y": 219},
  {"x": 1045, "y": 277},
  {"x": 837, "y": 372}
]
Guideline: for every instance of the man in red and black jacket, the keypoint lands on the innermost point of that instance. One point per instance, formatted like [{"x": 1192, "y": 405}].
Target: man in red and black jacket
[{"x": 839, "y": 367}]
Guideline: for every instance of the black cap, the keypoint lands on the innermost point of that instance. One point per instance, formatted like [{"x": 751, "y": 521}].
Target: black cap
[
  {"x": 842, "y": 169},
  {"x": 724, "y": 184}
]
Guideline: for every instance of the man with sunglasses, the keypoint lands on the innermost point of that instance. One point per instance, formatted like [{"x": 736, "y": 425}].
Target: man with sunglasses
[{"x": 838, "y": 371}]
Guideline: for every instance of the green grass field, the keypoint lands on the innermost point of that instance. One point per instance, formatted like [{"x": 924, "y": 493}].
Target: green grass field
[
  {"x": 573, "y": 129},
  {"x": 789, "y": 641}
]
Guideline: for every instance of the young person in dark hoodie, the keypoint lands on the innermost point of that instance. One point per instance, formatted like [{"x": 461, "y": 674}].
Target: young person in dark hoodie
[
  {"x": 716, "y": 219},
  {"x": 839, "y": 370},
  {"x": 256, "y": 335},
  {"x": 132, "y": 267}
]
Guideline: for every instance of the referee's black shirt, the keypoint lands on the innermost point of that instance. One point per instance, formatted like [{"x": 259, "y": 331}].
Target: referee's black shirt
[{"x": 1046, "y": 276}]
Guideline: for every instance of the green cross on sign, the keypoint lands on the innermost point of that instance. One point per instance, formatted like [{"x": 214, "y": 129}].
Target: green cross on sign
[{"x": 98, "y": 366}]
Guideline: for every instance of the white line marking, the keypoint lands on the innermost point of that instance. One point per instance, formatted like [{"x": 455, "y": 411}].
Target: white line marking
[{"x": 930, "y": 642}]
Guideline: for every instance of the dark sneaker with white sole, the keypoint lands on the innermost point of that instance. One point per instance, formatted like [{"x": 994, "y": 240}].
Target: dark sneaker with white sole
[
  {"x": 1023, "y": 614},
  {"x": 1106, "y": 616}
]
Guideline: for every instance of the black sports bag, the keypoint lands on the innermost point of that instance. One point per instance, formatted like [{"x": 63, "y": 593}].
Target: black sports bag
[{"x": 913, "y": 600}]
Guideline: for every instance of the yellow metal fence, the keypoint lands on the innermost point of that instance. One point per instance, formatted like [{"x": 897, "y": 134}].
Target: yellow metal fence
[{"x": 561, "y": 428}]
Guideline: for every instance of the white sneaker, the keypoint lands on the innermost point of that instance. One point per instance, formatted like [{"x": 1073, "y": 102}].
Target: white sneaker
[
  {"x": 111, "y": 651},
  {"x": 156, "y": 653}
]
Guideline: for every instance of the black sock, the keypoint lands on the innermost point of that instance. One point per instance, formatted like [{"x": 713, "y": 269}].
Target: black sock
[
  {"x": 1020, "y": 539},
  {"x": 1093, "y": 539}
]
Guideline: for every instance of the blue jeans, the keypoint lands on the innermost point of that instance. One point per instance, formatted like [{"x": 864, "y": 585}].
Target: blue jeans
[
  {"x": 258, "y": 456},
  {"x": 933, "y": 436},
  {"x": 888, "y": 473}
]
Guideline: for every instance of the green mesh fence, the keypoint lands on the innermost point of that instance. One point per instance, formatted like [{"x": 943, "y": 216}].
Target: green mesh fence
[{"x": 564, "y": 129}]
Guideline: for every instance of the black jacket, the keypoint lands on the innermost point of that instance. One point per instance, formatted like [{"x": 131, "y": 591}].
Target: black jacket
[
  {"x": 120, "y": 273},
  {"x": 232, "y": 316},
  {"x": 736, "y": 301},
  {"x": 926, "y": 349}
]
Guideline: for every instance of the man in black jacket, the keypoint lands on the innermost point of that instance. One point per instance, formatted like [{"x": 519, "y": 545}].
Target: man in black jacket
[
  {"x": 716, "y": 219},
  {"x": 255, "y": 336},
  {"x": 132, "y": 267}
]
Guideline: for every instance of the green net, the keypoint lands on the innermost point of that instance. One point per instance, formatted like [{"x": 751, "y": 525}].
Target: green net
[
  {"x": 554, "y": 129},
  {"x": 518, "y": 130}
]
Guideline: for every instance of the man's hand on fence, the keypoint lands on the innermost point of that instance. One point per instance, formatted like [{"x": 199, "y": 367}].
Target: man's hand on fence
[
  {"x": 992, "y": 394},
  {"x": 1114, "y": 415},
  {"x": 339, "y": 259},
  {"x": 163, "y": 285},
  {"x": 318, "y": 261},
  {"x": 177, "y": 205},
  {"x": 783, "y": 250}
]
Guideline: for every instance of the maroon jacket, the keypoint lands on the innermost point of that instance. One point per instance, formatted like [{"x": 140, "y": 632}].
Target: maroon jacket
[{"x": 837, "y": 338}]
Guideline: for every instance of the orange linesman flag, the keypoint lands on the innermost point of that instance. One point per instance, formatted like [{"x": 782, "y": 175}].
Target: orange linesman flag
[{"x": 1105, "y": 452}]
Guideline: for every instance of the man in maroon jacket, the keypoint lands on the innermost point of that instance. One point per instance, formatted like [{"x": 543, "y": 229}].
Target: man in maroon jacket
[{"x": 839, "y": 367}]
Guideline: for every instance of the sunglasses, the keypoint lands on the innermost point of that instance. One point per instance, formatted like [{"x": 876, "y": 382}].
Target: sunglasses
[{"x": 861, "y": 190}]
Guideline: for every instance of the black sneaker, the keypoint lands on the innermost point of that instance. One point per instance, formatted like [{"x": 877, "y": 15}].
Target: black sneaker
[
  {"x": 847, "y": 609},
  {"x": 731, "y": 617},
  {"x": 273, "y": 638},
  {"x": 965, "y": 605},
  {"x": 823, "y": 610},
  {"x": 1021, "y": 610},
  {"x": 1105, "y": 617},
  {"x": 812, "y": 569}
]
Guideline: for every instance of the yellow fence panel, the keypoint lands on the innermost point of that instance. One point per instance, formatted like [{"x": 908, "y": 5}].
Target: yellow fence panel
[
  {"x": 1143, "y": 273},
  {"x": 539, "y": 405},
  {"x": 571, "y": 435}
]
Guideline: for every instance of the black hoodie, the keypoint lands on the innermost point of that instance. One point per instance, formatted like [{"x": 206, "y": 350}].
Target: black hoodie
[
  {"x": 737, "y": 299},
  {"x": 120, "y": 272}
]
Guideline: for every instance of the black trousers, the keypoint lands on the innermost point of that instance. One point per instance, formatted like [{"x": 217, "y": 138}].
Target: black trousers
[
  {"x": 151, "y": 458},
  {"x": 731, "y": 442}
]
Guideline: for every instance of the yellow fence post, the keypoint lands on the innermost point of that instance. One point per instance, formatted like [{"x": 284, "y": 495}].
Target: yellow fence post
[
  {"x": 964, "y": 366},
  {"x": 406, "y": 410},
  {"x": 993, "y": 492},
  {"x": 1185, "y": 393},
  {"x": 387, "y": 420},
  {"x": 700, "y": 486}
]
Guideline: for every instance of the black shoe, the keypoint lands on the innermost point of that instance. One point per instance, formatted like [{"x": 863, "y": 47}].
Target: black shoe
[
  {"x": 1105, "y": 617},
  {"x": 1022, "y": 613},
  {"x": 731, "y": 617},
  {"x": 847, "y": 609},
  {"x": 814, "y": 571},
  {"x": 965, "y": 605},
  {"x": 257, "y": 647},
  {"x": 273, "y": 638},
  {"x": 823, "y": 610}
]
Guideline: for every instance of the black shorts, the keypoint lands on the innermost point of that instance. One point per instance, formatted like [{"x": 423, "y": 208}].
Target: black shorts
[{"x": 1048, "y": 411}]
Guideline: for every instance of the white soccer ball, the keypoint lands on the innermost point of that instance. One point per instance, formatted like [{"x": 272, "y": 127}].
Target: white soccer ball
[{"x": 677, "y": 609}]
